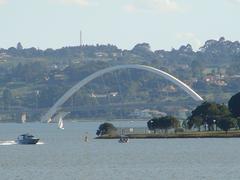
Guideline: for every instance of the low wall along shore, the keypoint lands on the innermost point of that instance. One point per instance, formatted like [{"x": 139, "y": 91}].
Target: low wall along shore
[{"x": 204, "y": 134}]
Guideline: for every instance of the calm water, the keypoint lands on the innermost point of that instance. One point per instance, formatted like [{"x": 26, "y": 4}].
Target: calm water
[{"x": 63, "y": 155}]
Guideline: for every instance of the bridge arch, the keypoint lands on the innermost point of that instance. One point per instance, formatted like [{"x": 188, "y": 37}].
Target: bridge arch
[{"x": 91, "y": 77}]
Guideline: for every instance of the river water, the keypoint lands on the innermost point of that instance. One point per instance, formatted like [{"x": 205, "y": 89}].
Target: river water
[{"x": 63, "y": 155}]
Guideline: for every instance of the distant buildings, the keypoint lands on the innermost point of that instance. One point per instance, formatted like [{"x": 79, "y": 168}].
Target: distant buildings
[
  {"x": 147, "y": 113},
  {"x": 217, "y": 79},
  {"x": 3, "y": 57},
  {"x": 94, "y": 95}
]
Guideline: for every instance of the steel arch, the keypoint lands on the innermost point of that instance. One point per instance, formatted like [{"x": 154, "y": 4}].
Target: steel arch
[{"x": 91, "y": 77}]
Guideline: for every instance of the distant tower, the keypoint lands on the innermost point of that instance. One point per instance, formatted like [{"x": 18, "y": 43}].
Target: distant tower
[
  {"x": 80, "y": 38},
  {"x": 81, "y": 48}
]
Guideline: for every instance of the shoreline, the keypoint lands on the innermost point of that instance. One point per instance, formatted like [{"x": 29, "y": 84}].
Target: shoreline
[{"x": 206, "y": 134}]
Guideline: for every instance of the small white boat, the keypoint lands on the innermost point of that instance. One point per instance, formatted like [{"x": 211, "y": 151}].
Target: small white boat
[{"x": 60, "y": 123}]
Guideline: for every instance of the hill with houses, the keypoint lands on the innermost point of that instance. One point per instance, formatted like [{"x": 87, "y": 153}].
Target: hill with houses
[{"x": 35, "y": 78}]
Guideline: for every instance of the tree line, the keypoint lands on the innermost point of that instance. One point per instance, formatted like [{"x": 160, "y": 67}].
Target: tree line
[{"x": 208, "y": 114}]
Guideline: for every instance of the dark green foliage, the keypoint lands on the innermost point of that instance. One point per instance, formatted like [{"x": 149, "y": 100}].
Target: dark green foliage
[
  {"x": 206, "y": 113},
  {"x": 7, "y": 98},
  {"x": 106, "y": 129},
  {"x": 29, "y": 72},
  {"x": 238, "y": 122},
  {"x": 78, "y": 72},
  {"x": 163, "y": 123},
  {"x": 197, "y": 68},
  {"x": 225, "y": 123},
  {"x": 234, "y": 105},
  {"x": 143, "y": 50},
  {"x": 197, "y": 121},
  {"x": 49, "y": 95}
]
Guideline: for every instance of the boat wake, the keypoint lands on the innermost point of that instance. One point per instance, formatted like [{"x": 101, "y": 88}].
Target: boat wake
[
  {"x": 40, "y": 143},
  {"x": 9, "y": 143}
]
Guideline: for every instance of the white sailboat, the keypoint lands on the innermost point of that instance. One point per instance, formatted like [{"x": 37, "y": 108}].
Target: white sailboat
[
  {"x": 24, "y": 117},
  {"x": 49, "y": 120},
  {"x": 60, "y": 123}
]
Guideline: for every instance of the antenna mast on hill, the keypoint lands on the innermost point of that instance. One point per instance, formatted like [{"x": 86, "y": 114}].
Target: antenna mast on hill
[
  {"x": 80, "y": 47},
  {"x": 80, "y": 38}
]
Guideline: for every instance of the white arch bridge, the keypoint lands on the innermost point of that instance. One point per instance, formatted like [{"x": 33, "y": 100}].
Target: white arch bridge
[{"x": 56, "y": 107}]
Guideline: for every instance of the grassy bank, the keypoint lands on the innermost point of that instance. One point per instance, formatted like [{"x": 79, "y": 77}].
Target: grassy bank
[{"x": 205, "y": 134}]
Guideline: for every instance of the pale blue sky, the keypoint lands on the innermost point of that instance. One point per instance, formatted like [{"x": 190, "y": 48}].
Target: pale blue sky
[{"x": 161, "y": 23}]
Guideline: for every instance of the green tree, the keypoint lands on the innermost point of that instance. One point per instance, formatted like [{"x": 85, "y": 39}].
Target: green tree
[
  {"x": 7, "y": 98},
  {"x": 19, "y": 46},
  {"x": 198, "y": 121},
  {"x": 208, "y": 111},
  {"x": 153, "y": 124},
  {"x": 49, "y": 95},
  {"x": 225, "y": 123},
  {"x": 106, "y": 129},
  {"x": 163, "y": 123},
  {"x": 238, "y": 122},
  {"x": 234, "y": 105},
  {"x": 197, "y": 68}
]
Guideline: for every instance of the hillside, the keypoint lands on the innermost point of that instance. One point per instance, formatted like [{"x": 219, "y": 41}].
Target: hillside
[{"x": 34, "y": 78}]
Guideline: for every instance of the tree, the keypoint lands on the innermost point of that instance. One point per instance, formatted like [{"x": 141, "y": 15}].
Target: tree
[
  {"x": 106, "y": 129},
  {"x": 238, "y": 122},
  {"x": 142, "y": 47},
  {"x": 19, "y": 46},
  {"x": 198, "y": 121},
  {"x": 208, "y": 111},
  {"x": 234, "y": 105},
  {"x": 225, "y": 123},
  {"x": 163, "y": 123},
  {"x": 48, "y": 96},
  {"x": 7, "y": 98},
  {"x": 153, "y": 124},
  {"x": 197, "y": 67}
]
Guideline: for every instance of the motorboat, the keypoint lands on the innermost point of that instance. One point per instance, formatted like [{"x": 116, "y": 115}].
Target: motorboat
[
  {"x": 26, "y": 139},
  {"x": 123, "y": 139}
]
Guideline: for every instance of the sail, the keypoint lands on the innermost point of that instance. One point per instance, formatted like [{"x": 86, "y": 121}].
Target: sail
[
  {"x": 23, "y": 117},
  {"x": 60, "y": 123},
  {"x": 49, "y": 120}
]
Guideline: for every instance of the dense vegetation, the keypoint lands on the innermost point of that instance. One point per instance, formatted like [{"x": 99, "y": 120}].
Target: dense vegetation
[
  {"x": 106, "y": 129},
  {"x": 163, "y": 123},
  {"x": 210, "y": 114},
  {"x": 32, "y": 78},
  {"x": 234, "y": 105}
]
